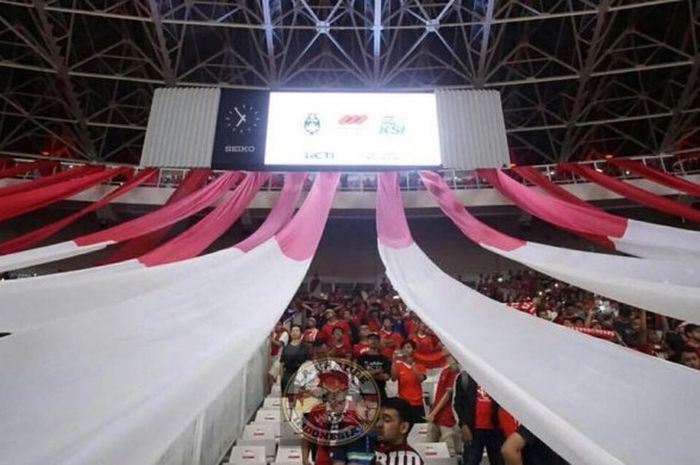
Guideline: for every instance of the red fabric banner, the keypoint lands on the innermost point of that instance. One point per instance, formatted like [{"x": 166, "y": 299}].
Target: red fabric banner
[
  {"x": 195, "y": 179},
  {"x": 657, "y": 176},
  {"x": 196, "y": 239},
  {"x": 641, "y": 196},
  {"x": 37, "y": 235},
  {"x": 165, "y": 216},
  {"x": 23, "y": 202},
  {"x": 540, "y": 180},
  {"x": 22, "y": 168},
  {"x": 49, "y": 180},
  {"x": 553, "y": 210},
  {"x": 6, "y": 162},
  {"x": 537, "y": 178},
  {"x": 468, "y": 224}
]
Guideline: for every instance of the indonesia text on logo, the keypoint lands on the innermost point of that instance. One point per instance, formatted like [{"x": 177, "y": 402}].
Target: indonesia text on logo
[
  {"x": 331, "y": 401},
  {"x": 356, "y": 120},
  {"x": 312, "y": 124}
]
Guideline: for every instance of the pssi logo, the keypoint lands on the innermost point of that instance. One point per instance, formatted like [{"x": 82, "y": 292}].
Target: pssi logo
[
  {"x": 312, "y": 124},
  {"x": 356, "y": 120},
  {"x": 392, "y": 126}
]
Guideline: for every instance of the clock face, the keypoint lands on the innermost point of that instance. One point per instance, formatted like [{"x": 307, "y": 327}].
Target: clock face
[{"x": 242, "y": 119}]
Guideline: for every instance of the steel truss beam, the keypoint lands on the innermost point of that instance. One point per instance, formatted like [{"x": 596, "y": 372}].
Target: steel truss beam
[{"x": 576, "y": 76}]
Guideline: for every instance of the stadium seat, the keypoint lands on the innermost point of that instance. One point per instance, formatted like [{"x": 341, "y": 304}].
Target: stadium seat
[{"x": 247, "y": 455}]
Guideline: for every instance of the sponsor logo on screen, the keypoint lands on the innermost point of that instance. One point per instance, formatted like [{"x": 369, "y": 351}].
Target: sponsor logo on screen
[
  {"x": 354, "y": 120},
  {"x": 239, "y": 149},
  {"x": 392, "y": 126},
  {"x": 319, "y": 155},
  {"x": 312, "y": 124}
]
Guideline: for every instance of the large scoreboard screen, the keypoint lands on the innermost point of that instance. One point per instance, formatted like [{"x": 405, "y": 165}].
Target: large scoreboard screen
[{"x": 352, "y": 129}]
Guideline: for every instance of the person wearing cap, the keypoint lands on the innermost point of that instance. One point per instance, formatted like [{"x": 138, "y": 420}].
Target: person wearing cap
[{"x": 377, "y": 364}]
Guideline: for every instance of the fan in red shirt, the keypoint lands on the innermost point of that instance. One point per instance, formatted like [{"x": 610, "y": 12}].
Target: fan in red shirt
[
  {"x": 425, "y": 343},
  {"x": 340, "y": 346},
  {"x": 333, "y": 322},
  {"x": 363, "y": 345},
  {"x": 441, "y": 419},
  {"x": 477, "y": 414},
  {"x": 373, "y": 321},
  {"x": 410, "y": 324},
  {"x": 311, "y": 332},
  {"x": 389, "y": 340},
  {"x": 409, "y": 376}
]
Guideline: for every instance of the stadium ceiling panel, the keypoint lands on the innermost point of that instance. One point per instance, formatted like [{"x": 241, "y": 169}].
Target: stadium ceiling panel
[{"x": 578, "y": 78}]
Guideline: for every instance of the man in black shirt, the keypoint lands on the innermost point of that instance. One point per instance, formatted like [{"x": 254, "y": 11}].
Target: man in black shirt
[
  {"x": 377, "y": 364},
  {"x": 524, "y": 448}
]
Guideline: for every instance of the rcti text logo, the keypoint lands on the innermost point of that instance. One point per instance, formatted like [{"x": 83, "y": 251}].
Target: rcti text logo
[{"x": 392, "y": 126}]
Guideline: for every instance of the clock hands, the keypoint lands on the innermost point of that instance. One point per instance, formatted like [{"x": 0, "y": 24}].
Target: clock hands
[{"x": 241, "y": 116}]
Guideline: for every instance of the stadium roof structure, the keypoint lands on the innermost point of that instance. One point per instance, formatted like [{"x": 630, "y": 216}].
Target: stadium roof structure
[{"x": 579, "y": 78}]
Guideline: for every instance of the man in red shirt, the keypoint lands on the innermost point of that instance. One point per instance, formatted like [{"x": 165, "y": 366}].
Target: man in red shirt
[
  {"x": 441, "y": 419},
  {"x": 477, "y": 413},
  {"x": 425, "y": 343},
  {"x": 410, "y": 376},
  {"x": 333, "y": 322},
  {"x": 389, "y": 340},
  {"x": 373, "y": 321},
  {"x": 339, "y": 346},
  {"x": 363, "y": 344}
]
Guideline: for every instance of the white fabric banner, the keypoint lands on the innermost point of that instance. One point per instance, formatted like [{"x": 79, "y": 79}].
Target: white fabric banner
[
  {"x": 593, "y": 402},
  {"x": 663, "y": 286},
  {"x": 75, "y": 292},
  {"x": 119, "y": 384}
]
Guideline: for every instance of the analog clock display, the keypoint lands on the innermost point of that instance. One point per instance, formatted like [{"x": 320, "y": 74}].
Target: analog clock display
[{"x": 242, "y": 119}]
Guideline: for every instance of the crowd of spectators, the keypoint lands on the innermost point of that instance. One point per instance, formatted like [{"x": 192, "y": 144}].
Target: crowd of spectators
[
  {"x": 561, "y": 303},
  {"x": 375, "y": 329}
]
